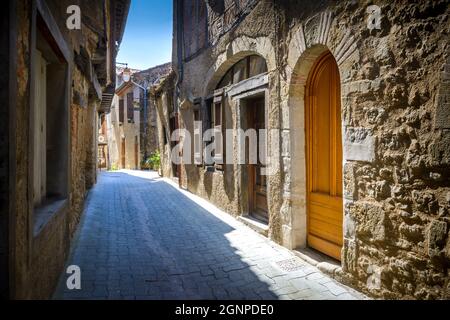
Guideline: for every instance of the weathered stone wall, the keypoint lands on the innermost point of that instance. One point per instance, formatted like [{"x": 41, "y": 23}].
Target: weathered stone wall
[
  {"x": 160, "y": 100},
  {"x": 39, "y": 253},
  {"x": 83, "y": 127},
  {"x": 149, "y": 132},
  {"x": 22, "y": 115},
  {"x": 395, "y": 124}
]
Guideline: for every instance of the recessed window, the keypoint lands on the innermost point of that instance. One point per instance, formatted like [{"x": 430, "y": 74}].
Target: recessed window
[
  {"x": 246, "y": 68},
  {"x": 121, "y": 110},
  {"x": 50, "y": 126},
  {"x": 130, "y": 107},
  {"x": 218, "y": 132},
  {"x": 257, "y": 65},
  {"x": 197, "y": 136}
]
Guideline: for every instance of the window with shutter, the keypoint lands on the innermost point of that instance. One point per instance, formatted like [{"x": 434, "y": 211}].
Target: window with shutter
[
  {"x": 218, "y": 130},
  {"x": 208, "y": 124},
  {"x": 130, "y": 107},
  {"x": 121, "y": 111},
  {"x": 198, "y": 143},
  {"x": 40, "y": 130},
  {"x": 248, "y": 67},
  {"x": 49, "y": 106}
]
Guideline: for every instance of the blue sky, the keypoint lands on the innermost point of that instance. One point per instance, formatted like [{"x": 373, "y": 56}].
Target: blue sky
[{"x": 147, "y": 40}]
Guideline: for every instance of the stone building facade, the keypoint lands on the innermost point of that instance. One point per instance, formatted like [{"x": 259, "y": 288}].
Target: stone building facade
[
  {"x": 384, "y": 72},
  {"x": 148, "y": 128},
  {"x": 56, "y": 82},
  {"x": 161, "y": 99},
  {"x": 132, "y": 139},
  {"x": 123, "y": 128}
]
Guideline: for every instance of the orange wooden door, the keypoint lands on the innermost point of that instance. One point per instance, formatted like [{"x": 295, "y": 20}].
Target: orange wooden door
[{"x": 324, "y": 157}]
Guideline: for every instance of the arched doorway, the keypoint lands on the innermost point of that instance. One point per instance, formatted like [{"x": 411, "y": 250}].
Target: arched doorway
[
  {"x": 246, "y": 80},
  {"x": 324, "y": 157}
]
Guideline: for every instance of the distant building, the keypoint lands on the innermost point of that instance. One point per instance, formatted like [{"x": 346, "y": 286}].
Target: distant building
[
  {"x": 148, "y": 129},
  {"x": 131, "y": 130},
  {"x": 123, "y": 132}
]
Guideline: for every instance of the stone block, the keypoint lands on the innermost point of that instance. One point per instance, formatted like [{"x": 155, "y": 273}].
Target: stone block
[
  {"x": 311, "y": 30},
  {"x": 382, "y": 190},
  {"x": 442, "y": 107},
  {"x": 439, "y": 150},
  {"x": 349, "y": 226},
  {"x": 349, "y": 255},
  {"x": 437, "y": 232},
  {"x": 350, "y": 183},
  {"x": 285, "y": 143},
  {"x": 372, "y": 223},
  {"x": 447, "y": 248},
  {"x": 359, "y": 144}
]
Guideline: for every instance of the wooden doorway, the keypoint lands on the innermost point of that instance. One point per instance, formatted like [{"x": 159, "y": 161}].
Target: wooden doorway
[
  {"x": 122, "y": 153},
  {"x": 324, "y": 157},
  {"x": 173, "y": 125},
  {"x": 136, "y": 153},
  {"x": 257, "y": 192}
]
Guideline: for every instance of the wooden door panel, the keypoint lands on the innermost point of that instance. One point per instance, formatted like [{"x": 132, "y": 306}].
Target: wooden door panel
[
  {"x": 326, "y": 231},
  {"x": 326, "y": 200},
  {"x": 258, "y": 183},
  {"x": 322, "y": 212},
  {"x": 324, "y": 157},
  {"x": 326, "y": 247}
]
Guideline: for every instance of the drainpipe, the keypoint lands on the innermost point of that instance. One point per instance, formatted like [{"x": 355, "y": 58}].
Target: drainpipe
[
  {"x": 145, "y": 122},
  {"x": 179, "y": 50}
]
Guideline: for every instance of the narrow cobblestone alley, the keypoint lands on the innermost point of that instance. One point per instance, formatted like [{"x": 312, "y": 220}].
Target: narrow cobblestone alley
[{"x": 143, "y": 238}]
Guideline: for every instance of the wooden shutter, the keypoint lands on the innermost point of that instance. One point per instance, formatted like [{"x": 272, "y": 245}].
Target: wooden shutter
[
  {"x": 208, "y": 121},
  {"x": 198, "y": 143},
  {"x": 130, "y": 107},
  {"x": 218, "y": 128},
  {"x": 121, "y": 111},
  {"x": 40, "y": 130}
]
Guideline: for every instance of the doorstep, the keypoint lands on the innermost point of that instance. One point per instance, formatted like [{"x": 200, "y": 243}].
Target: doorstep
[
  {"x": 256, "y": 225},
  {"x": 320, "y": 261}
]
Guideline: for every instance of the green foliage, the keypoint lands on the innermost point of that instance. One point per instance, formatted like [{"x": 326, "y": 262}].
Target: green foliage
[
  {"x": 114, "y": 167},
  {"x": 153, "y": 162}
]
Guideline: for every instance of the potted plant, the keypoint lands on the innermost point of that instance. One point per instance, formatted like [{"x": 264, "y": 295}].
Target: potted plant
[{"x": 155, "y": 160}]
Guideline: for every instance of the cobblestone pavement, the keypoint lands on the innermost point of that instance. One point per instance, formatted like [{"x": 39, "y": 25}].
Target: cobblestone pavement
[{"x": 143, "y": 238}]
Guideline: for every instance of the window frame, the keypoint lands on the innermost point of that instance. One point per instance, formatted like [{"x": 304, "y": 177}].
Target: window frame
[
  {"x": 198, "y": 133},
  {"x": 46, "y": 37},
  {"x": 121, "y": 110},
  {"x": 218, "y": 106},
  {"x": 231, "y": 72},
  {"x": 130, "y": 107}
]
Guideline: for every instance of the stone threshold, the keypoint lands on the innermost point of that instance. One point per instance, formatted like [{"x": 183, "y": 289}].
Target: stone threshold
[
  {"x": 258, "y": 226},
  {"x": 322, "y": 262}
]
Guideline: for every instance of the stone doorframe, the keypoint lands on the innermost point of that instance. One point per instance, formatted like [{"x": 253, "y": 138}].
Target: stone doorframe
[
  {"x": 307, "y": 43},
  {"x": 226, "y": 56},
  {"x": 251, "y": 88}
]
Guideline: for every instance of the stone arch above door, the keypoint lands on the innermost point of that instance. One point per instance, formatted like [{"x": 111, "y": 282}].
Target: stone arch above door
[
  {"x": 234, "y": 51},
  {"x": 308, "y": 41}
]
